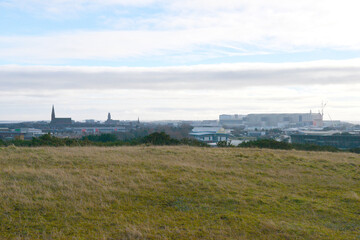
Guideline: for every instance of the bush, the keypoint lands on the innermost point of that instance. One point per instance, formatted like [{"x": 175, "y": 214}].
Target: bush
[
  {"x": 160, "y": 139},
  {"x": 101, "y": 138},
  {"x": 272, "y": 144},
  {"x": 313, "y": 147},
  {"x": 355, "y": 150},
  {"x": 193, "y": 142},
  {"x": 223, "y": 144},
  {"x": 266, "y": 143}
]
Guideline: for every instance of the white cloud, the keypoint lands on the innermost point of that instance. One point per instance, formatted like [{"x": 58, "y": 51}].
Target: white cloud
[
  {"x": 219, "y": 76},
  {"x": 65, "y": 6},
  {"x": 222, "y": 28},
  {"x": 196, "y": 92},
  {"x": 194, "y": 104}
]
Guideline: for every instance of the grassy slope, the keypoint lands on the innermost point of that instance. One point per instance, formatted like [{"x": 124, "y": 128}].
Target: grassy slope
[{"x": 178, "y": 193}]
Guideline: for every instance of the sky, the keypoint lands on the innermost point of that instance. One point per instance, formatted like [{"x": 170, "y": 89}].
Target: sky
[{"x": 184, "y": 60}]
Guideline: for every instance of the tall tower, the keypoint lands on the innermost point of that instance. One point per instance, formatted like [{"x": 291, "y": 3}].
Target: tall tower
[
  {"x": 109, "y": 117},
  {"x": 53, "y": 113}
]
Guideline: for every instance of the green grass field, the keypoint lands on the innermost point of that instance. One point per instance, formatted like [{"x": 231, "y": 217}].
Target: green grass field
[{"x": 178, "y": 193}]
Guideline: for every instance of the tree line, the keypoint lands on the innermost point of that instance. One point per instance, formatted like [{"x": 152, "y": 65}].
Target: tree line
[{"x": 161, "y": 138}]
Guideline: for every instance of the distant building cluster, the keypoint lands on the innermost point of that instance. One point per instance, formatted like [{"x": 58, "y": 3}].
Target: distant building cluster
[
  {"x": 305, "y": 128},
  {"x": 66, "y": 128},
  {"x": 254, "y": 124},
  {"x": 20, "y": 133}
]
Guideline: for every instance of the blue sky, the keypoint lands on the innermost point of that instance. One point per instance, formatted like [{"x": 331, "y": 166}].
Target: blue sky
[{"x": 38, "y": 37}]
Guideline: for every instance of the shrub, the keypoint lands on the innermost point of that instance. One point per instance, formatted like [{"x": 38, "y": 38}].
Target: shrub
[
  {"x": 355, "y": 150},
  {"x": 160, "y": 139},
  {"x": 223, "y": 144},
  {"x": 266, "y": 143},
  {"x": 272, "y": 144},
  {"x": 102, "y": 138},
  {"x": 193, "y": 142}
]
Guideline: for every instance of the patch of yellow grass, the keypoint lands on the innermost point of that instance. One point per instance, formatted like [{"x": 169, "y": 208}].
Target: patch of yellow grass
[{"x": 177, "y": 193}]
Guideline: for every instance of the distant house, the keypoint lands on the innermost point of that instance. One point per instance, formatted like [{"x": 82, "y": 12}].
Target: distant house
[{"x": 210, "y": 133}]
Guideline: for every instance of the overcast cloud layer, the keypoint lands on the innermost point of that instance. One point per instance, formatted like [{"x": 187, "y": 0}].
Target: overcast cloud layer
[
  {"x": 178, "y": 59},
  {"x": 204, "y": 77},
  {"x": 196, "y": 92}
]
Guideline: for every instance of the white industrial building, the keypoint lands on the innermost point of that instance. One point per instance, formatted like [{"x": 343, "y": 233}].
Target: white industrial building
[
  {"x": 272, "y": 120},
  {"x": 232, "y": 121}
]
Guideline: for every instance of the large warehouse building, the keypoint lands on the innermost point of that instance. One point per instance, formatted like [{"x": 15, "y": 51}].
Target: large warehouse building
[
  {"x": 283, "y": 120},
  {"x": 272, "y": 120}
]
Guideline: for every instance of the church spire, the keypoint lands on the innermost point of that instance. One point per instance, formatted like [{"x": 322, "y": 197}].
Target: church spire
[{"x": 53, "y": 113}]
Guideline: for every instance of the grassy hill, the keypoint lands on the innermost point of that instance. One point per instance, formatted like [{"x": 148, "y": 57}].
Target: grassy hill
[{"x": 178, "y": 193}]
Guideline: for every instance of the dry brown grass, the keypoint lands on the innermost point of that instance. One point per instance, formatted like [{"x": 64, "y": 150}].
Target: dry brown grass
[{"x": 178, "y": 193}]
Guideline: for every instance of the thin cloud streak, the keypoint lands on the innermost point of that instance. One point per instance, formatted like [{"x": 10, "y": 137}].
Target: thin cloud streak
[
  {"x": 220, "y": 76},
  {"x": 180, "y": 104},
  {"x": 185, "y": 27}
]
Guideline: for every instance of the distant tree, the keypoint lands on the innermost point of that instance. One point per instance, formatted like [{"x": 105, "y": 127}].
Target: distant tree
[
  {"x": 272, "y": 144},
  {"x": 161, "y": 138},
  {"x": 193, "y": 142},
  {"x": 223, "y": 144},
  {"x": 355, "y": 150},
  {"x": 102, "y": 138},
  {"x": 266, "y": 143}
]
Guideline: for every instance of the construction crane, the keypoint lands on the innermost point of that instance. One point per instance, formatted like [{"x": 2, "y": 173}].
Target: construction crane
[
  {"x": 323, "y": 105},
  {"x": 332, "y": 123}
]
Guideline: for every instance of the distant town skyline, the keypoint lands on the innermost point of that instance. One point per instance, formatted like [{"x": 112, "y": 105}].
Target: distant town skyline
[
  {"x": 183, "y": 60},
  {"x": 109, "y": 117}
]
